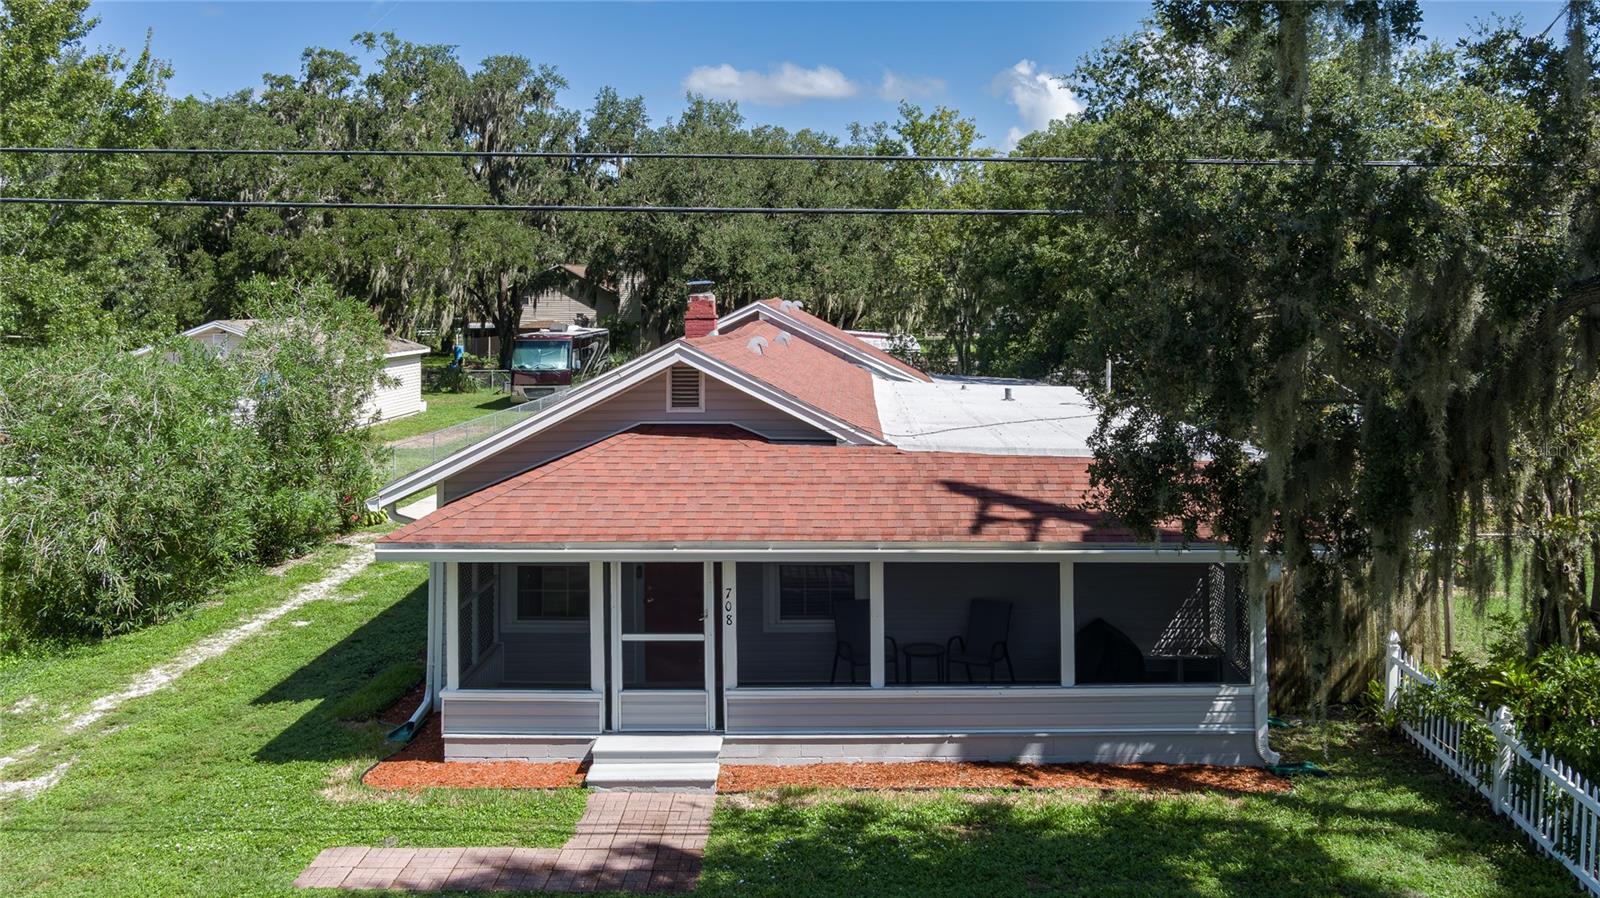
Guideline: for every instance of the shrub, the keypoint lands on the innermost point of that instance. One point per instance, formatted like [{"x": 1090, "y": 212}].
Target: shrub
[
  {"x": 132, "y": 484},
  {"x": 122, "y": 492}
]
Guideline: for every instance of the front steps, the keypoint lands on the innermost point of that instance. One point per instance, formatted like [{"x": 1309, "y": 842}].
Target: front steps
[{"x": 655, "y": 763}]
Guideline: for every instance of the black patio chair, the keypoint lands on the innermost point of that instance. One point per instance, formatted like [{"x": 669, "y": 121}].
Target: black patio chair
[
  {"x": 852, "y": 630},
  {"x": 986, "y": 642}
]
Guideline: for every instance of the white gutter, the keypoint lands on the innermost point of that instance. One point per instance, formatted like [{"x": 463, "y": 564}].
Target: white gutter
[{"x": 557, "y": 552}]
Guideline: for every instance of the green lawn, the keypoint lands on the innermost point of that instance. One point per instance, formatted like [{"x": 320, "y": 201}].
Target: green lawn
[
  {"x": 230, "y": 781},
  {"x": 1386, "y": 824},
  {"x": 444, "y": 409}
]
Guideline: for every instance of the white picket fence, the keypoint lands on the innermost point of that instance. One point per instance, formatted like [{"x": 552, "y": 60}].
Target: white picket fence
[{"x": 1557, "y": 808}]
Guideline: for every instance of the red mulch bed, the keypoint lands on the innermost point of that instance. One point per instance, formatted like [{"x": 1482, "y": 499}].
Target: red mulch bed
[
  {"x": 421, "y": 765},
  {"x": 986, "y": 775}
]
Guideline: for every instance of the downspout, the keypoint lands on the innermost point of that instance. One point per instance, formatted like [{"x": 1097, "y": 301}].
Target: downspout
[
  {"x": 1258, "y": 671},
  {"x": 405, "y": 731}
]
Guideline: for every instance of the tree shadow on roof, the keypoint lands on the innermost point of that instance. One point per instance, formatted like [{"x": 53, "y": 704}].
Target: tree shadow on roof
[{"x": 999, "y": 508}]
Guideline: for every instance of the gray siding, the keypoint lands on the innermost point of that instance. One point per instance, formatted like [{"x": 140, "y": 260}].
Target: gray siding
[
  {"x": 780, "y": 657},
  {"x": 933, "y": 710},
  {"x": 1181, "y": 748},
  {"x": 502, "y": 714},
  {"x": 644, "y": 403},
  {"x": 650, "y": 710}
]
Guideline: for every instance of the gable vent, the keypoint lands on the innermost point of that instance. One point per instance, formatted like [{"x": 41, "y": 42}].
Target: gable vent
[{"x": 685, "y": 390}]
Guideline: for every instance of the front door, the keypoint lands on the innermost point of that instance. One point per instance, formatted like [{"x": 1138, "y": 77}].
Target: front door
[{"x": 660, "y": 647}]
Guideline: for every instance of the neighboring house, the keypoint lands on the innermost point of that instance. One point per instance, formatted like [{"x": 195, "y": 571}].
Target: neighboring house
[
  {"x": 402, "y": 363},
  {"x": 572, "y": 298},
  {"x": 775, "y": 533}
]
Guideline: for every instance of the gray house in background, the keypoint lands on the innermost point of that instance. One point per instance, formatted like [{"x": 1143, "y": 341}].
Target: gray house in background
[
  {"x": 572, "y": 298},
  {"x": 780, "y": 538}
]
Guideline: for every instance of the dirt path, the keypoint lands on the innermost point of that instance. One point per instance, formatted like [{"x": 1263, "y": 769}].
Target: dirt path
[{"x": 163, "y": 675}]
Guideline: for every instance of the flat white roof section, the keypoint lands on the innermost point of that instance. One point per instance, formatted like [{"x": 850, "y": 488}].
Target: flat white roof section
[{"x": 972, "y": 414}]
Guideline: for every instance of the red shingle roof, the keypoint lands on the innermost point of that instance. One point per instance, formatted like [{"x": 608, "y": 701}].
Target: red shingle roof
[
  {"x": 803, "y": 370},
  {"x": 664, "y": 483},
  {"x": 794, "y": 310}
]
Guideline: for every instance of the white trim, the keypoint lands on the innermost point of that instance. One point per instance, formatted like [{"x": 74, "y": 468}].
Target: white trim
[
  {"x": 1069, "y": 627},
  {"x": 452, "y": 625},
  {"x": 597, "y": 632},
  {"x": 817, "y": 552},
  {"x": 523, "y": 695},
  {"x": 663, "y": 637},
  {"x": 729, "y": 614},
  {"x": 778, "y": 316},
  {"x": 614, "y": 690},
  {"x": 603, "y": 388},
  {"x": 875, "y": 599},
  {"x": 700, "y": 394},
  {"x": 708, "y": 620},
  {"x": 896, "y": 735},
  {"x": 1217, "y": 690}
]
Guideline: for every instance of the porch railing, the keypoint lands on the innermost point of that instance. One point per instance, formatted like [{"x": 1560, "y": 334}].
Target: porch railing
[
  {"x": 418, "y": 452},
  {"x": 1555, "y": 805}
]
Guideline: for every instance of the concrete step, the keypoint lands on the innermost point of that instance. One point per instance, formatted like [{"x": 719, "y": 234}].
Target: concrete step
[
  {"x": 670, "y": 776},
  {"x": 660, "y": 762},
  {"x": 652, "y": 749}
]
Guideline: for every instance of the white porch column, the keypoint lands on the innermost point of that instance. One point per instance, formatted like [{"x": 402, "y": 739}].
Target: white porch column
[
  {"x": 452, "y": 625},
  {"x": 708, "y": 626},
  {"x": 728, "y": 612},
  {"x": 597, "y": 626},
  {"x": 875, "y": 617},
  {"x": 616, "y": 644},
  {"x": 1069, "y": 628}
]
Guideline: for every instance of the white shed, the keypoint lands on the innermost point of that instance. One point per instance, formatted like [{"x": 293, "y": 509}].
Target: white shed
[
  {"x": 403, "y": 396},
  {"x": 402, "y": 363}
]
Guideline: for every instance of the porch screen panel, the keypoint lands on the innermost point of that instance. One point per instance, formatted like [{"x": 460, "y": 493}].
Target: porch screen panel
[
  {"x": 540, "y": 617},
  {"x": 963, "y": 624},
  {"x": 1161, "y": 623},
  {"x": 787, "y": 623}
]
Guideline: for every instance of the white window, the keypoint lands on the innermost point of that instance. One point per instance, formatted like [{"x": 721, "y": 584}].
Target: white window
[
  {"x": 547, "y": 597},
  {"x": 685, "y": 389},
  {"x": 800, "y": 597}
]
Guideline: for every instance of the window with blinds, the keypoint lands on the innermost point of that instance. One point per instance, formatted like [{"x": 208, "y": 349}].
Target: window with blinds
[
  {"x": 806, "y": 592},
  {"x": 685, "y": 390}
]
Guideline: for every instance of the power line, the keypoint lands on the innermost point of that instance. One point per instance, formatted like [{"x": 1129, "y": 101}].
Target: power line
[
  {"x": 528, "y": 207},
  {"x": 761, "y": 157}
]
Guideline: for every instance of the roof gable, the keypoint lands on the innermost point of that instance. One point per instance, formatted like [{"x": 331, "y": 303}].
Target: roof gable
[
  {"x": 591, "y": 394},
  {"x": 791, "y": 316},
  {"x": 801, "y": 369}
]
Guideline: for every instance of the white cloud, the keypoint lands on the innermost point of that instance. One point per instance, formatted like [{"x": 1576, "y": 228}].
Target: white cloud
[
  {"x": 905, "y": 87},
  {"x": 1039, "y": 96},
  {"x": 787, "y": 83}
]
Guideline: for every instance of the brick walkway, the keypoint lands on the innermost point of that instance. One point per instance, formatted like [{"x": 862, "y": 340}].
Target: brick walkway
[{"x": 626, "y": 841}]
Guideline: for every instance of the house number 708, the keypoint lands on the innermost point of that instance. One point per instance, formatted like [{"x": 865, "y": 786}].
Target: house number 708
[{"x": 727, "y": 605}]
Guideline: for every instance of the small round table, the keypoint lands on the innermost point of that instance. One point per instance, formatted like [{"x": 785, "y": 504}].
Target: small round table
[{"x": 927, "y": 650}]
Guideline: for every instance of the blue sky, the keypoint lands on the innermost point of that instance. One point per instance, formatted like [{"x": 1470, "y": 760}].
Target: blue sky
[{"x": 815, "y": 65}]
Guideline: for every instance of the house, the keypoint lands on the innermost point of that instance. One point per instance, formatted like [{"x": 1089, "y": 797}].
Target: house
[
  {"x": 397, "y": 394},
  {"x": 569, "y": 298},
  {"x": 778, "y": 536}
]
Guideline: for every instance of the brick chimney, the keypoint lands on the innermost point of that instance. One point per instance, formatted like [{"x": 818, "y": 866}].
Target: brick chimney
[{"x": 701, "y": 318}]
